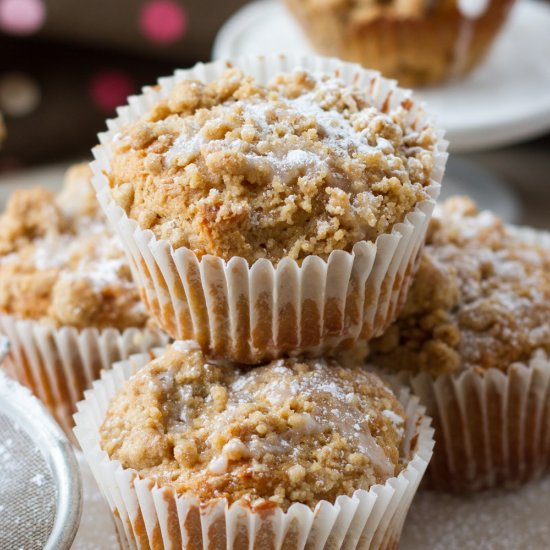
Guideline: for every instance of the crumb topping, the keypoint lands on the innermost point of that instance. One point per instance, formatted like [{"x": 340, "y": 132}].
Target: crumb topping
[
  {"x": 59, "y": 262},
  {"x": 481, "y": 298},
  {"x": 304, "y": 165},
  {"x": 285, "y": 432}
]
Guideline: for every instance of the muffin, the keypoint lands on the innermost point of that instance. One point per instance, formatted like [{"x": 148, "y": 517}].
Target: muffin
[
  {"x": 68, "y": 303},
  {"x": 221, "y": 448},
  {"x": 271, "y": 210},
  {"x": 416, "y": 42},
  {"x": 473, "y": 341}
]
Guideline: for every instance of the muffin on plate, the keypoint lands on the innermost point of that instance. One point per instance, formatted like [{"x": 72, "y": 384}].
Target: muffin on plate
[
  {"x": 473, "y": 341},
  {"x": 68, "y": 303},
  {"x": 287, "y": 452},
  {"x": 271, "y": 210},
  {"x": 416, "y": 42}
]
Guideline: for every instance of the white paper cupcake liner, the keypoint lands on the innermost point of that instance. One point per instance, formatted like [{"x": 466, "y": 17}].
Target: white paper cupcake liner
[
  {"x": 492, "y": 429},
  {"x": 151, "y": 517},
  {"x": 58, "y": 364},
  {"x": 255, "y": 313}
]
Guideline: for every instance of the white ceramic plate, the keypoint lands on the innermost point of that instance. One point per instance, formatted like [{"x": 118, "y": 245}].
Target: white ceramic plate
[{"x": 506, "y": 100}]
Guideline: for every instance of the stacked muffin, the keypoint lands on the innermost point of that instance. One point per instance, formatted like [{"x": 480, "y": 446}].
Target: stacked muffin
[
  {"x": 273, "y": 218},
  {"x": 68, "y": 303}
]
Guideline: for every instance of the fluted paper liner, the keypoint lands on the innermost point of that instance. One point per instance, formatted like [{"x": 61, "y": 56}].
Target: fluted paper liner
[
  {"x": 492, "y": 429},
  {"x": 147, "y": 516},
  {"x": 58, "y": 364},
  {"x": 255, "y": 313}
]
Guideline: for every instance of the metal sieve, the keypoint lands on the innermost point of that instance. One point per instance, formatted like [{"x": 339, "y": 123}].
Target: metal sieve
[{"x": 40, "y": 488}]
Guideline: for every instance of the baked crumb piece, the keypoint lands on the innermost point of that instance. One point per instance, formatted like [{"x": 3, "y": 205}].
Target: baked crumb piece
[
  {"x": 304, "y": 165},
  {"x": 286, "y": 432},
  {"x": 59, "y": 262},
  {"x": 481, "y": 298}
]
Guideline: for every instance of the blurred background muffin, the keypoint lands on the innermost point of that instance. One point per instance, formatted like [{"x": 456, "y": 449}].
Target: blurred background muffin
[
  {"x": 61, "y": 264},
  {"x": 415, "y": 41},
  {"x": 68, "y": 303},
  {"x": 473, "y": 342}
]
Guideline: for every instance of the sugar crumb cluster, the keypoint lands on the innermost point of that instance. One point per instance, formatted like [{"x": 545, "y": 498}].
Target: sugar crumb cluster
[{"x": 303, "y": 165}]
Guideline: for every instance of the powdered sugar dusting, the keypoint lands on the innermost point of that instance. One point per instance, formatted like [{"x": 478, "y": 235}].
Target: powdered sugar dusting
[
  {"x": 38, "y": 480},
  {"x": 489, "y": 300},
  {"x": 345, "y": 132},
  {"x": 333, "y": 410},
  {"x": 52, "y": 253}
]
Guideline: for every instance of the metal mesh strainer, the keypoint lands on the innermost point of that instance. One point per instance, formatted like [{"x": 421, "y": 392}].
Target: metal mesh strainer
[{"x": 40, "y": 492}]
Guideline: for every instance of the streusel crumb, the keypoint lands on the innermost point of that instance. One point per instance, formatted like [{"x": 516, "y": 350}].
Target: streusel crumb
[
  {"x": 59, "y": 262},
  {"x": 286, "y": 432},
  {"x": 481, "y": 298},
  {"x": 304, "y": 165}
]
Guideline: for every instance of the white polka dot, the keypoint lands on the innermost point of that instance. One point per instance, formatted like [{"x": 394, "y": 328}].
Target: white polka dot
[{"x": 19, "y": 94}]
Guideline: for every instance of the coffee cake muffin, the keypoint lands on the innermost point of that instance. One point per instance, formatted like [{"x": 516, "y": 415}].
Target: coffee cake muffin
[
  {"x": 273, "y": 444},
  {"x": 68, "y": 303},
  {"x": 417, "y": 42},
  {"x": 59, "y": 262},
  {"x": 243, "y": 183},
  {"x": 473, "y": 340}
]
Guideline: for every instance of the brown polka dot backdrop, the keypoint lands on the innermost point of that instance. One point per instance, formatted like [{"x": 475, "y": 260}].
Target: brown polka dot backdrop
[{"x": 66, "y": 65}]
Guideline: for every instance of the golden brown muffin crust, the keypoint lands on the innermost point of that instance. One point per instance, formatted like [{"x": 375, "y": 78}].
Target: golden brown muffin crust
[
  {"x": 59, "y": 263},
  {"x": 363, "y": 11},
  {"x": 304, "y": 165},
  {"x": 285, "y": 432},
  {"x": 481, "y": 298}
]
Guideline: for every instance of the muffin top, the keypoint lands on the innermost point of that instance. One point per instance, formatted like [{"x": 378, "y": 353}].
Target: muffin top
[
  {"x": 481, "y": 298},
  {"x": 289, "y": 431},
  {"x": 59, "y": 263},
  {"x": 304, "y": 165}
]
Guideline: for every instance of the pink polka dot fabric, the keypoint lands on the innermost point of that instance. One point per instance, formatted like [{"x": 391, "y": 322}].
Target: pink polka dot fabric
[
  {"x": 21, "y": 16},
  {"x": 163, "y": 21},
  {"x": 110, "y": 88}
]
